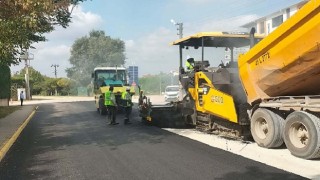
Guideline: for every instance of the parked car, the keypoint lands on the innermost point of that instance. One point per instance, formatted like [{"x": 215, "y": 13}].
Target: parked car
[{"x": 171, "y": 93}]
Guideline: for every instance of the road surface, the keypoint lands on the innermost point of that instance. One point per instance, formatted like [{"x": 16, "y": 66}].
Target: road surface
[{"x": 71, "y": 141}]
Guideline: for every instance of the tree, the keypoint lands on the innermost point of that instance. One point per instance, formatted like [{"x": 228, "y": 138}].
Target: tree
[
  {"x": 5, "y": 84},
  {"x": 49, "y": 86},
  {"x": 23, "y": 22},
  {"x": 90, "y": 52},
  {"x": 36, "y": 80},
  {"x": 64, "y": 86},
  {"x": 151, "y": 83},
  {"x": 41, "y": 84}
]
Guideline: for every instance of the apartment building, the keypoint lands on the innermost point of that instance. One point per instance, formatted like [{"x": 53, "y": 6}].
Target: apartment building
[{"x": 265, "y": 25}]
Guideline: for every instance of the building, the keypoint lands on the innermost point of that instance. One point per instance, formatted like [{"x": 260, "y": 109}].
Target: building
[
  {"x": 265, "y": 25},
  {"x": 133, "y": 74}
]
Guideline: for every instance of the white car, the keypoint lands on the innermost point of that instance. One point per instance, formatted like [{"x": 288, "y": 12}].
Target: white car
[{"x": 171, "y": 93}]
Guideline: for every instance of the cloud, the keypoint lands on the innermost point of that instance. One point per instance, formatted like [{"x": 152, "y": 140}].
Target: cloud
[
  {"x": 57, "y": 49},
  {"x": 228, "y": 24},
  {"x": 198, "y": 1},
  {"x": 153, "y": 54},
  {"x": 45, "y": 57},
  {"x": 82, "y": 23}
]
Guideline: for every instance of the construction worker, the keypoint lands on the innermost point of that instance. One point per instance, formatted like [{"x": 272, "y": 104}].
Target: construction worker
[
  {"x": 140, "y": 98},
  {"x": 189, "y": 63},
  {"x": 127, "y": 104},
  {"x": 110, "y": 102}
]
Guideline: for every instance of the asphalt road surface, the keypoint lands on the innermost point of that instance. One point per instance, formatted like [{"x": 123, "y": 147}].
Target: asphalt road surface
[{"x": 72, "y": 141}]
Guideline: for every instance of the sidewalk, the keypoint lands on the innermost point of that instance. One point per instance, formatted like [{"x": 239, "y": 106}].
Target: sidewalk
[{"x": 12, "y": 125}]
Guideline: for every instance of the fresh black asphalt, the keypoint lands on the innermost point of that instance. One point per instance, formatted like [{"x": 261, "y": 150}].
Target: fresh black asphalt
[{"x": 72, "y": 141}]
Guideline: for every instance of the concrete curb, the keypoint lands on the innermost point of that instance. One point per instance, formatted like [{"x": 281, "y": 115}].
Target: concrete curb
[{"x": 7, "y": 145}]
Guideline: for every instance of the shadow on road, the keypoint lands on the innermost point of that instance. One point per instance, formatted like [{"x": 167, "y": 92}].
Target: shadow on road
[{"x": 65, "y": 136}]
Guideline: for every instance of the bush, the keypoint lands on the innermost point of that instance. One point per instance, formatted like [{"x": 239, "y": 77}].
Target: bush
[{"x": 5, "y": 81}]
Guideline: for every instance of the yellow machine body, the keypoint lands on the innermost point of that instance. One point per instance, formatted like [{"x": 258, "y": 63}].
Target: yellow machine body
[
  {"x": 212, "y": 101},
  {"x": 216, "y": 91}
]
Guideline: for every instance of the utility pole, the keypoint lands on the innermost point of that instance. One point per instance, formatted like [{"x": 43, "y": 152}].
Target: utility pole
[
  {"x": 25, "y": 56},
  {"x": 27, "y": 78},
  {"x": 179, "y": 28},
  {"x": 55, "y": 69},
  {"x": 55, "y": 74},
  {"x": 160, "y": 83},
  {"x": 180, "y": 33}
]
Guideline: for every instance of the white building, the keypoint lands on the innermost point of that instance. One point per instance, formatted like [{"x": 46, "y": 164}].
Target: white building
[{"x": 265, "y": 25}]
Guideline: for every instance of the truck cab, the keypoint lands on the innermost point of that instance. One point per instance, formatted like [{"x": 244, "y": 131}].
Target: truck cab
[{"x": 103, "y": 78}]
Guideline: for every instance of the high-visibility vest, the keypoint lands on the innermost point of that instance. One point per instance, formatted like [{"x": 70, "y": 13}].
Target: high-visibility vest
[
  {"x": 109, "y": 98},
  {"x": 189, "y": 66},
  {"x": 126, "y": 98}
]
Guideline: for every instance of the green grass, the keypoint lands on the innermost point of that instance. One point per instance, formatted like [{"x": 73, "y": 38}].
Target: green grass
[{"x": 6, "y": 110}]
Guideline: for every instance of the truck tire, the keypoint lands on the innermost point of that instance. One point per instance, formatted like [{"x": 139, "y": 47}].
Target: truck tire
[
  {"x": 267, "y": 128},
  {"x": 302, "y": 135},
  {"x": 102, "y": 108}
]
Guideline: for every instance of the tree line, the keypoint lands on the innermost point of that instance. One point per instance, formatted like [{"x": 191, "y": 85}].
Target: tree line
[
  {"x": 23, "y": 23},
  {"x": 48, "y": 86},
  {"x": 156, "y": 84},
  {"x": 44, "y": 85}
]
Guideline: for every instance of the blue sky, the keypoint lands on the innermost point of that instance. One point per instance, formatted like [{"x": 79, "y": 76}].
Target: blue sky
[
  {"x": 130, "y": 19},
  {"x": 145, "y": 27}
]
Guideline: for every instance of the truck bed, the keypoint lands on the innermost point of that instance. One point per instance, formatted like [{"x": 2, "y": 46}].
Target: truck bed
[{"x": 287, "y": 61}]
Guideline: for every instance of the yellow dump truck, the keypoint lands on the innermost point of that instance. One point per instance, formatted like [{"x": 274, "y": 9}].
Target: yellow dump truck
[
  {"x": 103, "y": 78},
  {"x": 271, "y": 93},
  {"x": 281, "y": 78}
]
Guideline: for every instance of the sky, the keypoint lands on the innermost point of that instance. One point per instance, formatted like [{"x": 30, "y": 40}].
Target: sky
[{"x": 145, "y": 27}]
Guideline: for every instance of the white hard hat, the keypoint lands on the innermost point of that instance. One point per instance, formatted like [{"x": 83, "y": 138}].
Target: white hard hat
[{"x": 128, "y": 88}]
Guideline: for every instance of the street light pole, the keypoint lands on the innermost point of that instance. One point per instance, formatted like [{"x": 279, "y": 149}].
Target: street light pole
[
  {"x": 180, "y": 33},
  {"x": 180, "y": 28}
]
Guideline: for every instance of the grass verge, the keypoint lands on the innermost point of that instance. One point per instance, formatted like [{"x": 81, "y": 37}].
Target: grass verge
[{"x": 6, "y": 110}]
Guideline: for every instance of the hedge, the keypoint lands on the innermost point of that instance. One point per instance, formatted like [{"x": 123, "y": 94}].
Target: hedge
[{"x": 5, "y": 81}]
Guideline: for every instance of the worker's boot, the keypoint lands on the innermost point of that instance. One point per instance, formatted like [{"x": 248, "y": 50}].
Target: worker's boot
[{"x": 126, "y": 121}]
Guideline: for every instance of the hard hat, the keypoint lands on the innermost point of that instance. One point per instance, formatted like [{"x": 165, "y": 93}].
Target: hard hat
[{"x": 128, "y": 89}]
